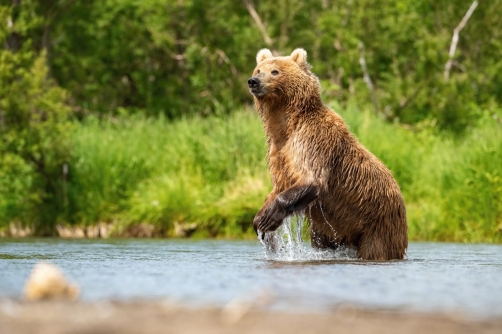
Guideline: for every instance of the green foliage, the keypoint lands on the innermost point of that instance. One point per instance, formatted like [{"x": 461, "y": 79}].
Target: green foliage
[
  {"x": 193, "y": 57},
  {"x": 212, "y": 172},
  {"x": 156, "y": 56},
  {"x": 16, "y": 179},
  {"x": 132, "y": 170},
  {"x": 147, "y": 63},
  {"x": 34, "y": 142},
  {"x": 474, "y": 188}
]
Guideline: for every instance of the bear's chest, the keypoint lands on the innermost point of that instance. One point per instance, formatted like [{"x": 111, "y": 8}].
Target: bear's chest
[{"x": 288, "y": 163}]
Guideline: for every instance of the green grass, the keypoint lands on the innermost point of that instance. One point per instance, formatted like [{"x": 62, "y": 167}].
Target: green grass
[{"x": 212, "y": 171}]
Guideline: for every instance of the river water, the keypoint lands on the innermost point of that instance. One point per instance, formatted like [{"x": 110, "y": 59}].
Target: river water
[{"x": 445, "y": 277}]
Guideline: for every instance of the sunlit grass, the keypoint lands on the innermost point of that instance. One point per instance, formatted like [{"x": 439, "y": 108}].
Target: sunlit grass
[{"x": 212, "y": 171}]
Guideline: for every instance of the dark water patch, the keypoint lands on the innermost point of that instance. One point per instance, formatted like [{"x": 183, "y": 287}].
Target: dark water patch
[{"x": 27, "y": 257}]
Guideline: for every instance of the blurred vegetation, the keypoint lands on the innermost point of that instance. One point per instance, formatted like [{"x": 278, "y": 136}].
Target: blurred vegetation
[
  {"x": 135, "y": 111},
  {"x": 179, "y": 58},
  {"x": 34, "y": 134},
  {"x": 211, "y": 171}
]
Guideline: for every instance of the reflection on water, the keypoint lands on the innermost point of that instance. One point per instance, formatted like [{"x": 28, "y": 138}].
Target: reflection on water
[{"x": 436, "y": 276}]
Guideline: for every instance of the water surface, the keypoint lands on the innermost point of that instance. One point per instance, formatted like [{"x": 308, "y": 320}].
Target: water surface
[{"x": 435, "y": 277}]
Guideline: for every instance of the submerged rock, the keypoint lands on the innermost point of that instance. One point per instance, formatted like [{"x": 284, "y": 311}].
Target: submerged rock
[{"x": 48, "y": 282}]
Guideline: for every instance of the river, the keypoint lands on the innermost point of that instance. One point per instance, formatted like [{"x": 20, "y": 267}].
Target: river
[{"x": 443, "y": 277}]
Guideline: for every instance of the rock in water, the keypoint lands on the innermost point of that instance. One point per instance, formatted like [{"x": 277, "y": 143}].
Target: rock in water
[{"x": 48, "y": 282}]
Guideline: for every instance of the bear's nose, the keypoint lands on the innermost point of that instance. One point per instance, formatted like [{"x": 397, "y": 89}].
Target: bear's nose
[{"x": 253, "y": 82}]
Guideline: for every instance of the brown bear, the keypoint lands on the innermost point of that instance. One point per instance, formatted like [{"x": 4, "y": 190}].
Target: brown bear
[{"x": 319, "y": 169}]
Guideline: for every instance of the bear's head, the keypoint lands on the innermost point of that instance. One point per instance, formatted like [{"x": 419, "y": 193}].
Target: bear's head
[{"x": 282, "y": 77}]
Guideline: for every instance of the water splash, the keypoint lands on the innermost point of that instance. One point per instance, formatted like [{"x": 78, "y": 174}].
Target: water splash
[{"x": 287, "y": 244}]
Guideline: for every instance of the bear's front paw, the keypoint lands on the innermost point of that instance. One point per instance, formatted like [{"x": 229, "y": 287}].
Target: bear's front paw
[
  {"x": 271, "y": 219},
  {"x": 256, "y": 221}
]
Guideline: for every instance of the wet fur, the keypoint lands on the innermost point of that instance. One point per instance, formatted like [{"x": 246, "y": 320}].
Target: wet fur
[{"x": 320, "y": 169}]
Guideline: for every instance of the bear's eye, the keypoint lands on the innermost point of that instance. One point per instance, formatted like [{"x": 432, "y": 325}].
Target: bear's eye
[
  {"x": 258, "y": 72},
  {"x": 275, "y": 72}
]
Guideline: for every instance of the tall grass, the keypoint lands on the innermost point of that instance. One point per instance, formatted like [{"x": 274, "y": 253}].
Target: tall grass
[{"x": 212, "y": 171}]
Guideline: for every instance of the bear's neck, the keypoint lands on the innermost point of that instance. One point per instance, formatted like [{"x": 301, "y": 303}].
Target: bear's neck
[{"x": 280, "y": 117}]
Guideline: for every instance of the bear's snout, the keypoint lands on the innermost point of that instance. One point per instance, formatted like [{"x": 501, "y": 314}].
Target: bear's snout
[
  {"x": 253, "y": 82},
  {"x": 257, "y": 87}
]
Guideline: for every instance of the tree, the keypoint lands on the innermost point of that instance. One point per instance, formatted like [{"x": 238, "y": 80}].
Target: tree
[{"x": 34, "y": 131}]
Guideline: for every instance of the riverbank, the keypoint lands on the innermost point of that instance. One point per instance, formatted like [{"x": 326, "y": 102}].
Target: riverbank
[
  {"x": 163, "y": 317},
  {"x": 103, "y": 230}
]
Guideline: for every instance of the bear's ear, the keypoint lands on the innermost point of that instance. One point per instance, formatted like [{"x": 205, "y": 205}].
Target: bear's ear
[
  {"x": 262, "y": 55},
  {"x": 299, "y": 56}
]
